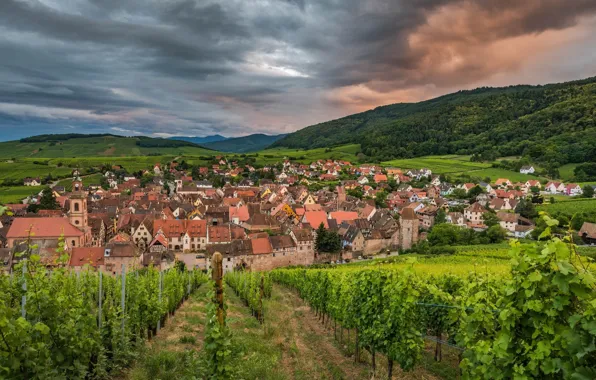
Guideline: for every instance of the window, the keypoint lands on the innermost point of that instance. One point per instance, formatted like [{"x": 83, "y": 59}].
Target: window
[
  {"x": 77, "y": 222},
  {"x": 229, "y": 259},
  {"x": 73, "y": 243},
  {"x": 76, "y": 206}
]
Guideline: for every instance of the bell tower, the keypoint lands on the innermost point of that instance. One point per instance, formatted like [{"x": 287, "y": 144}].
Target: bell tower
[
  {"x": 77, "y": 184},
  {"x": 78, "y": 211}
]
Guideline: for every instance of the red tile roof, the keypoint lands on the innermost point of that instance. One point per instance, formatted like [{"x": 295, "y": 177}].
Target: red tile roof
[
  {"x": 42, "y": 227},
  {"x": 340, "y": 216},
  {"x": 315, "y": 218},
  {"x": 86, "y": 255},
  {"x": 261, "y": 246}
]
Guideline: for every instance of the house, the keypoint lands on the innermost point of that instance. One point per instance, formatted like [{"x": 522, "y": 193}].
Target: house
[
  {"x": 304, "y": 240},
  {"x": 32, "y": 181},
  {"x": 118, "y": 254},
  {"x": 523, "y": 231},
  {"x": 573, "y": 189},
  {"x": 353, "y": 240},
  {"x": 554, "y": 187},
  {"x": 92, "y": 257},
  {"x": 363, "y": 180},
  {"x": 508, "y": 220},
  {"x": 157, "y": 169},
  {"x": 456, "y": 218},
  {"x": 394, "y": 171},
  {"x": 474, "y": 212},
  {"x": 588, "y": 233},
  {"x": 315, "y": 218},
  {"x": 467, "y": 186},
  {"x": 379, "y": 178},
  {"x": 532, "y": 183},
  {"x": 182, "y": 235},
  {"x": 503, "y": 182},
  {"x": 341, "y": 216},
  {"x": 527, "y": 170}
]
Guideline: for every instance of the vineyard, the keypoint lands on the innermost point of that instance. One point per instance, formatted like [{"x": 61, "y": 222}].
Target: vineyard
[
  {"x": 63, "y": 325},
  {"x": 539, "y": 322}
]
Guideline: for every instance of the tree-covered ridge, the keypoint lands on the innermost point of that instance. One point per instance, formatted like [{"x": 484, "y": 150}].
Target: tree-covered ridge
[{"x": 548, "y": 123}]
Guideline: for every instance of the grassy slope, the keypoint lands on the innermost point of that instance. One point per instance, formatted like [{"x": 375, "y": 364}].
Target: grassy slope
[
  {"x": 572, "y": 205},
  {"x": 16, "y": 193},
  {"x": 95, "y": 146},
  {"x": 22, "y": 169}
]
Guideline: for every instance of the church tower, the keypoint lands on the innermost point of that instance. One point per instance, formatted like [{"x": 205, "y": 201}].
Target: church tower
[
  {"x": 78, "y": 211},
  {"x": 77, "y": 184},
  {"x": 408, "y": 228}
]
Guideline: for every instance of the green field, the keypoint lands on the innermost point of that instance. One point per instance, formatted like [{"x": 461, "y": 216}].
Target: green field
[
  {"x": 495, "y": 173},
  {"x": 19, "y": 169},
  {"x": 94, "y": 146},
  {"x": 15, "y": 194},
  {"x": 566, "y": 172},
  {"x": 92, "y": 179},
  {"x": 571, "y": 206},
  {"x": 450, "y": 164},
  {"x": 272, "y": 156},
  {"x": 458, "y": 165}
]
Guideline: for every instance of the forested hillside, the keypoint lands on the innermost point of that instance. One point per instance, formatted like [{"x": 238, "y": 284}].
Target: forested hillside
[
  {"x": 250, "y": 143},
  {"x": 552, "y": 123}
]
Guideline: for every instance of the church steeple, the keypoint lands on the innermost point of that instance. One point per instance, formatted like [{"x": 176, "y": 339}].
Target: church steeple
[{"x": 78, "y": 211}]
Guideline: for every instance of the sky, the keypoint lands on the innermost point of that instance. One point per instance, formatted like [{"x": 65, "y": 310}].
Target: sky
[{"x": 194, "y": 68}]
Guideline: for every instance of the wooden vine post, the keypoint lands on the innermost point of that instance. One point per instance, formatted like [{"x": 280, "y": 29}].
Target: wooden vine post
[
  {"x": 217, "y": 276},
  {"x": 261, "y": 295}
]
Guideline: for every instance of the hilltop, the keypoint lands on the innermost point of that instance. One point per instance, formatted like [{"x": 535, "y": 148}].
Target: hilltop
[
  {"x": 107, "y": 145},
  {"x": 553, "y": 123}
]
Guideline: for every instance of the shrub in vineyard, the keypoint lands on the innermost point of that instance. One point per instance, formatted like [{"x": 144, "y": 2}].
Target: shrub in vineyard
[
  {"x": 545, "y": 323},
  {"x": 252, "y": 287}
]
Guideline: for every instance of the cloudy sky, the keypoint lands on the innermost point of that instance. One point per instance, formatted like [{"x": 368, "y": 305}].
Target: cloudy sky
[{"x": 235, "y": 67}]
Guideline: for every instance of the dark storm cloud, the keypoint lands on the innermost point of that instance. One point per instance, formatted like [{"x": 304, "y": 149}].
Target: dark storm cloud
[{"x": 191, "y": 66}]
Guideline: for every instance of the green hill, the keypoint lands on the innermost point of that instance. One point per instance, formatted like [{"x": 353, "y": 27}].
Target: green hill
[
  {"x": 250, "y": 143},
  {"x": 107, "y": 145},
  {"x": 553, "y": 123}
]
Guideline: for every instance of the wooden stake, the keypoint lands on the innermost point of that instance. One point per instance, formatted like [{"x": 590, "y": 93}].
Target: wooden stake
[{"x": 217, "y": 276}]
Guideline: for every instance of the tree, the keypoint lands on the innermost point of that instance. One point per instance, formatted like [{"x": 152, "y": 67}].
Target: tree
[
  {"x": 474, "y": 192},
  {"x": 380, "y": 199},
  {"x": 327, "y": 241},
  {"x": 490, "y": 219},
  {"x": 321, "y": 235},
  {"x": 588, "y": 191},
  {"x": 48, "y": 200},
  {"x": 444, "y": 234},
  {"x": 526, "y": 209},
  {"x": 441, "y": 216},
  {"x": 357, "y": 193},
  {"x": 496, "y": 234}
]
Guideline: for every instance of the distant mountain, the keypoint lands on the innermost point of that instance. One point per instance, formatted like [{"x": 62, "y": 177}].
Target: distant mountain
[
  {"x": 250, "y": 143},
  {"x": 553, "y": 124},
  {"x": 200, "y": 140}
]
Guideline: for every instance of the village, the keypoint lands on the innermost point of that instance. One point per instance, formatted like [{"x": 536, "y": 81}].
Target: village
[{"x": 259, "y": 219}]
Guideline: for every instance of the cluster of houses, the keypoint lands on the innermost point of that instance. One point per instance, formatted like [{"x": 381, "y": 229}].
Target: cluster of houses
[{"x": 265, "y": 218}]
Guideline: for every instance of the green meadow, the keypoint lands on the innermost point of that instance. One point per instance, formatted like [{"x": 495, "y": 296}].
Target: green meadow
[{"x": 16, "y": 193}]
